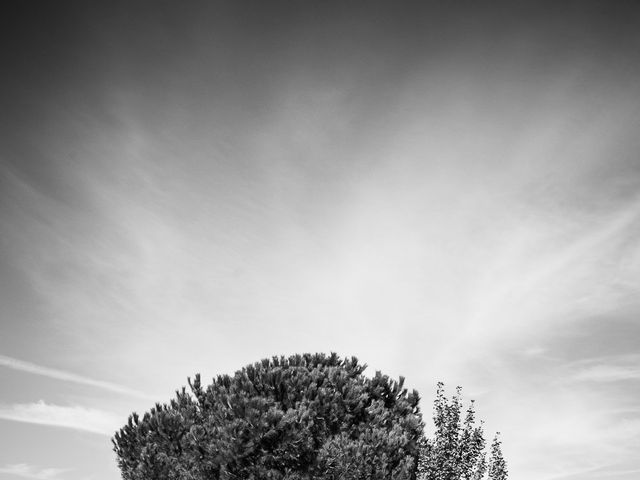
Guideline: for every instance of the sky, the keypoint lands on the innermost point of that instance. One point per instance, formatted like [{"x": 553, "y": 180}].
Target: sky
[{"x": 449, "y": 191}]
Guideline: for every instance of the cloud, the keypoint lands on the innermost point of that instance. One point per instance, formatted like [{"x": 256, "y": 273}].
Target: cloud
[
  {"x": 554, "y": 271},
  {"x": 29, "y": 471},
  {"x": 23, "y": 366},
  {"x": 623, "y": 472},
  {"x": 75, "y": 417},
  {"x": 608, "y": 369}
]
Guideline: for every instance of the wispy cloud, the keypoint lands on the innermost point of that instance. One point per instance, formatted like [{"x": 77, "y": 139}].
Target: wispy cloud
[
  {"x": 607, "y": 369},
  {"x": 546, "y": 271},
  {"x": 29, "y": 471},
  {"x": 75, "y": 417},
  {"x": 594, "y": 472},
  {"x": 23, "y": 366},
  {"x": 621, "y": 472}
]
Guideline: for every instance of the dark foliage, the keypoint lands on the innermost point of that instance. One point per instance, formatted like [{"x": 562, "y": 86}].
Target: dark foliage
[{"x": 303, "y": 417}]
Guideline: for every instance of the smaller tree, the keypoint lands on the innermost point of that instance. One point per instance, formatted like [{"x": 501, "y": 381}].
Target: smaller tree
[
  {"x": 497, "y": 465},
  {"x": 457, "y": 450}
]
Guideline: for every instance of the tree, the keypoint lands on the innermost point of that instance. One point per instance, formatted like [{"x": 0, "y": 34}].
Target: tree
[
  {"x": 497, "y": 465},
  {"x": 297, "y": 418},
  {"x": 457, "y": 450}
]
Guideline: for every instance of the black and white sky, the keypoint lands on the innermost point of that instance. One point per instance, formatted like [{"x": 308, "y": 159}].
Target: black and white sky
[{"x": 447, "y": 190}]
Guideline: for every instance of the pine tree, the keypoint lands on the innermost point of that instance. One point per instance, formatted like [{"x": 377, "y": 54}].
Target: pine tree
[{"x": 298, "y": 418}]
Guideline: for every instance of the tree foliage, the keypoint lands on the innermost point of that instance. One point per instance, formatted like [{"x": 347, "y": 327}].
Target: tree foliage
[
  {"x": 497, "y": 465},
  {"x": 296, "y": 418},
  {"x": 457, "y": 450}
]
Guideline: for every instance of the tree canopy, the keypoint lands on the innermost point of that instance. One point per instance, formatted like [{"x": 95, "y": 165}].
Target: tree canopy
[
  {"x": 305, "y": 417},
  {"x": 308, "y": 416}
]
